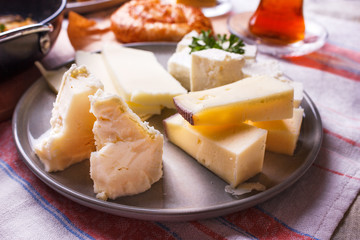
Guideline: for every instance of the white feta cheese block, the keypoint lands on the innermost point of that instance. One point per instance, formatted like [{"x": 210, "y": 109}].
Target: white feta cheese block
[
  {"x": 96, "y": 64},
  {"x": 140, "y": 77},
  {"x": 128, "y": 156},
  {"x": 265, "y": 67},
  {"x": 213, "y": 68},
  {"x": 233, "y": 152},
  {"x": 184, "y": 43},
  {"x": 70, "y": 138},
  {"x": 179, "y": 65},
  {"x": 250, "y": 52}
]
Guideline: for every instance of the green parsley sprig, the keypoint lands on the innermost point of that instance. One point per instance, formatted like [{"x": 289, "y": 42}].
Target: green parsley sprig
[{"x": 206, "y": 41}]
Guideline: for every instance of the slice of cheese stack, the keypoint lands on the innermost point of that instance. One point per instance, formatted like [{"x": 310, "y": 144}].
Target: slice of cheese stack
[
  {"x": 233, "y": 152},
  {"x": 282, "y": 134},
  {"x": 70, "y": 139},
  {"x": 140, "y": 77},
  {"x": 213, "y": 68},
  {"x": 96, "y": 64},
  {"x": 128, "y": 157},
  {"x": 260, "y": 98}
]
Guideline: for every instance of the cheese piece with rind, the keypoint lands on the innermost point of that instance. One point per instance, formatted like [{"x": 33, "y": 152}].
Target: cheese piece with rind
[{"x": 259, "y": 98}]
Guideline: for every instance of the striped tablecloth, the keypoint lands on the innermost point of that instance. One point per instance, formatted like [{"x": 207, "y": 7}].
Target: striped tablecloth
[{"x": 311, "y": 209}]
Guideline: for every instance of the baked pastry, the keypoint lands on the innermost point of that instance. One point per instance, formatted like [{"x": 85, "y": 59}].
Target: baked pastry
[{"x": 153, "y": 20}]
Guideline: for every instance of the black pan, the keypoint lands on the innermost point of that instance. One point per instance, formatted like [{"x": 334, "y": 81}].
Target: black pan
[{"x": 22, "y": 46}]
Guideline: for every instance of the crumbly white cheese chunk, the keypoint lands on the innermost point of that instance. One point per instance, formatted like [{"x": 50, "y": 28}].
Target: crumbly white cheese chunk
[
  {"x": 128, "y": 156},
  {"x": 70, "y": 138}
]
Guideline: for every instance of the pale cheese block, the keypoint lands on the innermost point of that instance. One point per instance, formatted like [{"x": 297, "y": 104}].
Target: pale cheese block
[
  {"x": 128, "y": 156},
  {"x": 260, "y": 98},
  {"x": 96, "y": 64},
  {"x": 140, "y": 77},
  {"x": 298, "y": 91},
  {"x": 282, "y": 134},
  {"x": 179, "y": 65},
  {"x": 263, "y": 67},
  {"x": 250, "y": 52},
  {"x": 272, "y": 69},
  {"x": 213, "y": 68},
  {"x": 233, "y": 152},
  {"x": 70, "y": 138}
]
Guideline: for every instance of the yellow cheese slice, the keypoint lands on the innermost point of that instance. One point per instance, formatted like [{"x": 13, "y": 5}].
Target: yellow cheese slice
[
  {"x": 70, "y": 138},
  {"x": 128, "y": 157},
  {"x": 282, "y": 134},
  {"x": 140, "y": 77},
  {"x": 233, "y": 152},
  {"x": 96, "y": 64},
  {"x": 259, "y": 98}
]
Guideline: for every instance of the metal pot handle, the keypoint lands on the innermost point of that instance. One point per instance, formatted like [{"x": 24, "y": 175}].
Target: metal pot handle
[{"x": 42, "y": 29}]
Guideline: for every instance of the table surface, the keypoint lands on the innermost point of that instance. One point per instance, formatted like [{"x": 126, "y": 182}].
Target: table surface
[{"x": 339, "y": 17}]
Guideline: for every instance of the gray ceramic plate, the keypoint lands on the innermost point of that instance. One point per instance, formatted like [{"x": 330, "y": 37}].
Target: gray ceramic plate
[{"x": 187, "y": 190}]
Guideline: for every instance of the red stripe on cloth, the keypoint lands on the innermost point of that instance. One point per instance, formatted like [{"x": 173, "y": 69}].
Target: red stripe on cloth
[
  {"x": 355, "y": 56},
  {"x": 207, "y": 231},
  {"x": 332, "y": 59},
  {"x": 350, "y": 141},
  {"x": 263, "y": 226},
  {"x": 99, "y": 225},
  {"x": 335, "y": 172}
]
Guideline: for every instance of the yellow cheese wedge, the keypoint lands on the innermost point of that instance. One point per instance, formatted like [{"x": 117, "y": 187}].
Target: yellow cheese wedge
[
  {"x": 282, "y": 134},
  {"x": 128, "y": 157},
  {"x": 140, "y": 77},
  {"x": 70, "y": 138},
  {"x": 96, "y": 64},
  {"x": 233, "y": 152},
  {"x": 260, "y": 98},
  {"x": 213, "y": 68}
]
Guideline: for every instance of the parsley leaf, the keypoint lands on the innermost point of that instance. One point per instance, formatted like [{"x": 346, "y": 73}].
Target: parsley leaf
[{"x": 206, "y": 41}]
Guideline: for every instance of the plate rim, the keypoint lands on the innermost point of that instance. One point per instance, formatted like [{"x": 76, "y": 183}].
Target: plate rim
[{"x": 143, "y": 213}]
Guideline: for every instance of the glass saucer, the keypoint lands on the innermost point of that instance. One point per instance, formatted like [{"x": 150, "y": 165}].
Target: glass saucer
[
  {"x": 315, "y": 37},
  {"x": 222, "y": 7}
]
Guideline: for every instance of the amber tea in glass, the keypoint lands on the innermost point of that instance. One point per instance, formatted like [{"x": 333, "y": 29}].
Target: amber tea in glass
[{"x": 278, "y": 21}]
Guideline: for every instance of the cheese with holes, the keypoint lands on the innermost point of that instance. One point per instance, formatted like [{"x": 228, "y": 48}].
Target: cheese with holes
[
  {"x": 259, "y": 98},
  {"x": 140, "y": 78},
  {"x": 233, "y": 152},
  {"x": 282, "y": 134},
  {"x": 70, "y": 138},
  {"x": 213, "y": 68},
  {"x": 96, "y": 65},
  {"x": 128, "y": 156}
]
